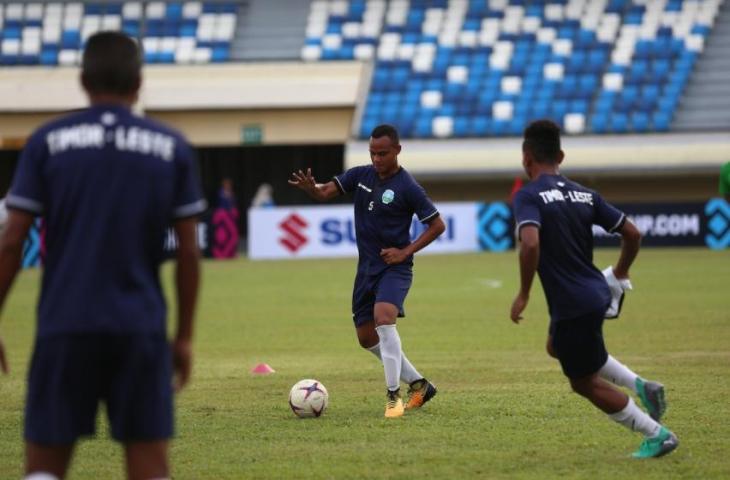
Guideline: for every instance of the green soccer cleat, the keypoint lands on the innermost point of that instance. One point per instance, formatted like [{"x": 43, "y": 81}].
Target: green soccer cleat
[
  {"x": 420, "y": 392},
  {"x": 652, "y": 397},
  {"x": 653, "y": 447}
]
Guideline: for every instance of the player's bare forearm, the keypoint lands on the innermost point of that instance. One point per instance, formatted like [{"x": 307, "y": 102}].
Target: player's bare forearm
[
  {"x": 394, "y": 256},
  {"x": 529, "y": 257},
  {"x": 435, "y": 228},
  {"x": 11, "y": 249},
  {"x": 630, "y": 244},
  {"x": 187, "y": 276},
  {"x": 318, "y": 191}
]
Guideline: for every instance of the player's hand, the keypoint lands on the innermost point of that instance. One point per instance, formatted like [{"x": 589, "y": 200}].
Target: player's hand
[
  {"x": 518, "y": 306},
  {"x": 303, "y": 180},
  {"x": 3, "y": 360},
  {"x": 393, "y": 256},
  {"x": 182, "y": 361}
]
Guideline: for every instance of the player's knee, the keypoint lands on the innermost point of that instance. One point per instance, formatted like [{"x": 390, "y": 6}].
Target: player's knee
[
  {"x": 366, "y": 342},
  {"x": 582, "y": 386},
  {"x": 385, "y": 314}
]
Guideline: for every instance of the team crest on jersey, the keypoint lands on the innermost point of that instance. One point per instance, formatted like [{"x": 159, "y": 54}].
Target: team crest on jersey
[{"x": 388, "y": 196}]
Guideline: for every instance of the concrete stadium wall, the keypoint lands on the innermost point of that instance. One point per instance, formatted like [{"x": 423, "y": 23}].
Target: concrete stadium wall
[
  {"x": 291, "y": 102},
  {"x": 310, "y": 104}
]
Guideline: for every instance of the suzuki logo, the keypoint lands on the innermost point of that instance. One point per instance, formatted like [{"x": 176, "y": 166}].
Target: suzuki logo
[{"x": 293, "y": 239}]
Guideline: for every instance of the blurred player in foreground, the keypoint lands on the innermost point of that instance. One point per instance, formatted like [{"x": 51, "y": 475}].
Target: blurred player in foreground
[
  {"x": 554, "y": 218},
  {"x": 109, "y": 184},
  {"x": 386, "y": 198}
]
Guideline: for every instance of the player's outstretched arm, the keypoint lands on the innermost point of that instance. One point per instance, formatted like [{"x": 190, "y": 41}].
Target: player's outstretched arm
[
  {"x": 318, "y": 191},
  {"x": 187, "y": 274},
  {"x": 393, "y": 256},
  {"x": 529, "y": 258},
  {"x": 630, "y": 244},
  {"x": 11, "y": 254}
]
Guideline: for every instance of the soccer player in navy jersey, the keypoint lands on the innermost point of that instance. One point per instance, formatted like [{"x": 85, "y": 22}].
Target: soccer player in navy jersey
[
  {"x": 386, "y": 197},
  {"x": 108, "y": 184},
  {"x": 554, "y": 218}
]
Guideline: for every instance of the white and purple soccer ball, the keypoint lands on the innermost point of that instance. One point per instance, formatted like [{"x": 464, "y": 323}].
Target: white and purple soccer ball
[{"x": 308, "y": 398}]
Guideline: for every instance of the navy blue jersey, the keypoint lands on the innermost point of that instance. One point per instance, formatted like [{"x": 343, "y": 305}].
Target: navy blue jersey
[
  {"x": 384, "y": 211},
  {"x": 108, "y": 184},
  {"x": 565, "y": 213}
]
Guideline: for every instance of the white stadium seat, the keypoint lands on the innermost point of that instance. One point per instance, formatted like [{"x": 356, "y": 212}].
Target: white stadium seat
[
  {"x": 406, "y": 51},
  {"x": 202, "y": 55},
  {"x": 332, "y": 41},
  {"x": 562, "y": 47},
  {"x": 511, "y": 85},
  {"x": 111, "y": 22},
  {"x": 155, "y": 10},
  {"x": 442, "y": 127},
  {"x": 192, "y": 10},
  {"x": 502, "y": 110},
  {"x": 10, "y": 46},
  {"x": 613, "y": 82},
  {"x": 34, "y": 11},
  {"x": 364, "y": 51},
  {"x": 68, "y": 57},
  {"x": 431, "y": 99},
  {"x": 14, "y": 11},
  {"x": 311, "y": 53},
  {"x": 151, "y": 44},
  {"x": 132, "y": 10},
  {"x": 553, "y": 71},
  {"x": 457, "y": 74},
  {"x": 575, "y": 123}
]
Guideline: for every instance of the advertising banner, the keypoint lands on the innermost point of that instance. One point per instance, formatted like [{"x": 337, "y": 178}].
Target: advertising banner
[
  {"x": 662, "y": 225},
  {"x": 329, "y": 231}
]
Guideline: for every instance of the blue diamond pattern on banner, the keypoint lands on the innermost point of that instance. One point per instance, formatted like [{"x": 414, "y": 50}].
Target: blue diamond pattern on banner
[
  {"x": 717, "y": 224},
  {"x": 495, "y": 220},
  {"x": 717, "y": 211}
]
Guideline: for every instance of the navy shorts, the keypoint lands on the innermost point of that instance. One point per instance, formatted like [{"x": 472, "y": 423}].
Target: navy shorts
[
  {"x": 71, "y": 373},
  {"x": 578, "y": 344},
  {"x": 390, "y": 286}
]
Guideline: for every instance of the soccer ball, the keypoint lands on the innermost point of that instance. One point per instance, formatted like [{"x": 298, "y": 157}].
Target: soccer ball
[{"x": 308, "y": 398}]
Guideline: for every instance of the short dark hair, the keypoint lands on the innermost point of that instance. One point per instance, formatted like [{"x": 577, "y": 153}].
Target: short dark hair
[
  {"x": 111, "y": 64},
  {"x": 386, "y": 130},
  {"x": 542, "y": 139}
]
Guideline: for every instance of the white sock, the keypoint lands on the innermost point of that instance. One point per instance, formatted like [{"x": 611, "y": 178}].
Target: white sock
[
  {"x": 618, "y": 374},
  {"x": 635, "y": 419},
  {"x": 390, "y": 352},
  {"x": 408, "y": 372},
  {"x": 40, "y": 476}
]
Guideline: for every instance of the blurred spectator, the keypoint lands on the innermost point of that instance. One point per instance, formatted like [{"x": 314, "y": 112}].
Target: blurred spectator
[
  {"x": 225, "y": 223},
  {"x": 264, "y": 196},
  {"x": 226, "y": 195}
]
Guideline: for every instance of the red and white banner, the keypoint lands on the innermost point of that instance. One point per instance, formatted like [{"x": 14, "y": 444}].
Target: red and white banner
[{"x": 329, "y": 231}]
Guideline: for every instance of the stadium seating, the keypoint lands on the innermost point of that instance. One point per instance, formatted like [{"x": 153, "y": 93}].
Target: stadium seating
[
  {"x": 464, "y": 68},
  {"x": 53, "y": 33}
]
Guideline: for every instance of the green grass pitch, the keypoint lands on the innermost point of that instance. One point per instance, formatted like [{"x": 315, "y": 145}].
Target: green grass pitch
[{"x": 504, "y": 410}]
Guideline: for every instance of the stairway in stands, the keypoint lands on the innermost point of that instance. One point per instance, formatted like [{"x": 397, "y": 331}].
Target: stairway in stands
[
  {"x": 705, "y": 104},
  {"x": 270, "y": 30}
]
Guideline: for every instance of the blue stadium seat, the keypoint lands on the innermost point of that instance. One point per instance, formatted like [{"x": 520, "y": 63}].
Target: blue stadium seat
[
  {"x": 618, "y": 122},
  {"x": 49, "y": 56},
  {"x": 639, "y": 122},
  {"x": 652, "y": 82}
]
